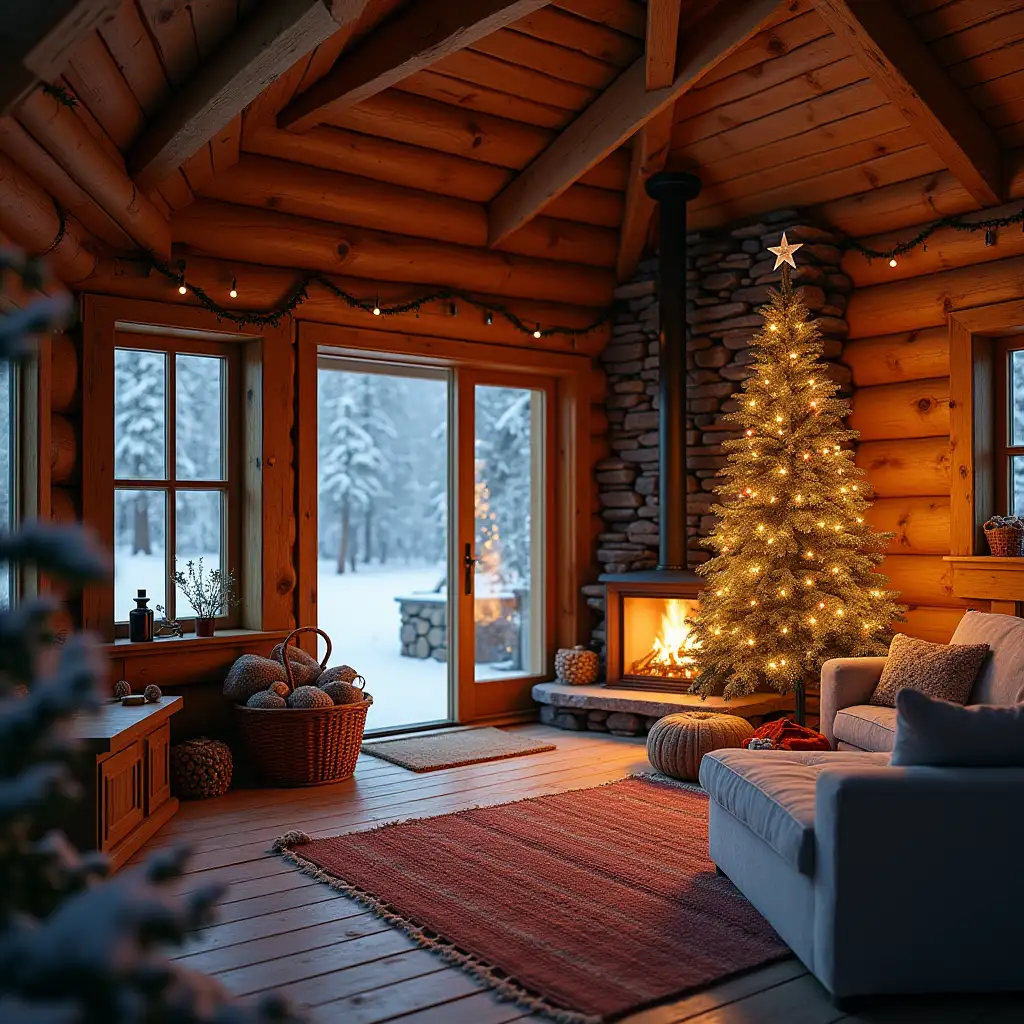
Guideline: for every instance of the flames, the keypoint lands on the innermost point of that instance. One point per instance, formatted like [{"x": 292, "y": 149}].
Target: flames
[{"x": 671, "y": 651}]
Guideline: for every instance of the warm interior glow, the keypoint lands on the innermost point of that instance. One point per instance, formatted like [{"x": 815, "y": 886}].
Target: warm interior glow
[{"x": 672, "y": 646}]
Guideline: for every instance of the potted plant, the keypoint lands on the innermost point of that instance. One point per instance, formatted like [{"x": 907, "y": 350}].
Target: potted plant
[{"x": 208, "y": 593}]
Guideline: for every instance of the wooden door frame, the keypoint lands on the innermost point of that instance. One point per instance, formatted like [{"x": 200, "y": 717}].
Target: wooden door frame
[{"x": 571, "y": 475}]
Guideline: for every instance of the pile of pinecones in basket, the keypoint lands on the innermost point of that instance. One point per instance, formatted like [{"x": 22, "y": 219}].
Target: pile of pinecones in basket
[{"x": 263, "y": 683}]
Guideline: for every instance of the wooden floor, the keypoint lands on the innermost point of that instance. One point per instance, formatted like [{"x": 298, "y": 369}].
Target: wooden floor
[{"x": 279, "y": 929}]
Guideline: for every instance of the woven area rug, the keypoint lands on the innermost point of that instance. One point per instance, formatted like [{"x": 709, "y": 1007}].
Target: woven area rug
[
  {"x": 450, "y": 749},
  {"x": 585, "y": 906}
]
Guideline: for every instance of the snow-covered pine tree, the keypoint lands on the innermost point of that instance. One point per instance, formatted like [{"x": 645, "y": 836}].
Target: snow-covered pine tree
[{"x": 793, "y": 580}]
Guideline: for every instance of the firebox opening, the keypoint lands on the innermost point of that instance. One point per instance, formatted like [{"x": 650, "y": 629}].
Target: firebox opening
[{"x": 657, "y": 639}]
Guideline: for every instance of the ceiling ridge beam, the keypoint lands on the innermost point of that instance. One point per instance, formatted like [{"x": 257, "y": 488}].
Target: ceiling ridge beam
[
  {"x": 263, "y": 47},
  {"x": 907, "y": 72},
  {"x": 622, "y": 109},
  {"x": 420, "y": 35}
]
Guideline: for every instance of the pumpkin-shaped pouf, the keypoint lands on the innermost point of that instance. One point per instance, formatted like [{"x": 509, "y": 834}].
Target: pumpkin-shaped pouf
[
  {"x": 677, "y": 743},
  {"x": 200, "y": 768},
  {"x": 576, "y": 665}
]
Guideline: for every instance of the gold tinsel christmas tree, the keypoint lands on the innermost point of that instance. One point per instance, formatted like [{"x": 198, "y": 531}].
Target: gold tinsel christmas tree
[{"x": 792, "y": 581}]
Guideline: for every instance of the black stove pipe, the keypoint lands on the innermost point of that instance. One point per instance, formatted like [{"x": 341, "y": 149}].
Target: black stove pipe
[{"x": 672, "y": 190}]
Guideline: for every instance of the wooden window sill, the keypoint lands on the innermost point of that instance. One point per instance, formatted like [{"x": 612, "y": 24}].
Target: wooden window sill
[
  {"x": 989, "y": 578},
  {"x": 190, "y": 643}
]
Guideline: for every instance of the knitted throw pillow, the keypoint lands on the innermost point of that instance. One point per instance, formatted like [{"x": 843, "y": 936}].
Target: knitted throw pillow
[{"x": 942, "y": 671}]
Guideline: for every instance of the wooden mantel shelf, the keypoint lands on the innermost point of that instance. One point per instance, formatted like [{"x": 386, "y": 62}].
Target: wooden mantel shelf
[{"x": 989, "y": 578}]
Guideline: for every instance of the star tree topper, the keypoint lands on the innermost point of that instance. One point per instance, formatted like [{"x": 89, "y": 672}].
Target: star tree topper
[{"x": 784, "y": 252}]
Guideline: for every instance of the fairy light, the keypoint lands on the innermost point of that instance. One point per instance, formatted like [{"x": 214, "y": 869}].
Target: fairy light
[
  {"x": 808, "y": 582},
  {"x": 773, "y": 327},
  {"x": 892, "y": 262},
  {"x": 840, "y": 612},
  {"x": 234, "y": 289},
  {"x": 783, "y": 592},
  {"x": 537, "y": 333},
  {"x": 750, "y": 641},
  {"x": 182, "y": 290}
]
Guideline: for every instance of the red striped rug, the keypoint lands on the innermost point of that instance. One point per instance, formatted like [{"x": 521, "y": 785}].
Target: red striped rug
[{"x": 586, "y": 905}]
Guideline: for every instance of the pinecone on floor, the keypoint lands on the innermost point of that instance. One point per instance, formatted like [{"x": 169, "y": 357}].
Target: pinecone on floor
[
  {"x": 200, "y": 768},
  {"x": 576, "y": 665}
]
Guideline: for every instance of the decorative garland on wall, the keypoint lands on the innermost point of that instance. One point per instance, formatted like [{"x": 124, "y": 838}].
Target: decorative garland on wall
[
  {"x": 300, "y": 293},
  {"x": 920, "y": 239}
]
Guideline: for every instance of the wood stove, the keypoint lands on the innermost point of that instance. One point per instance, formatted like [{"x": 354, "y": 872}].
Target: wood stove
[{"x": 646, "y": 613}]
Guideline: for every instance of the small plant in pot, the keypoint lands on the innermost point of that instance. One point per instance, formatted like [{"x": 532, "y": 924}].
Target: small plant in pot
[{"x": 210, "y": 594}]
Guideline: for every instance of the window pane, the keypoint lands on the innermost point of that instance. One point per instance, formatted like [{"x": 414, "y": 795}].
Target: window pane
[
  {"x": 1017, "y": 485},
  {"x": 199, "y": 417},
  {"x": 7, "y": 497},
  {"x": 140, "y": 532},
  {"x": 199, "y": 531},
  {"x": 140, "y": 407},
  {"x": 1017, "y": 397},
  {"x": 508, "y": 606}
]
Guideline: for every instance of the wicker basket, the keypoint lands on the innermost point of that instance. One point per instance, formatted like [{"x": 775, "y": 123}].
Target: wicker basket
[
  {"x": 304, "y": 747},
  {"x": 1005, "y": 537}
]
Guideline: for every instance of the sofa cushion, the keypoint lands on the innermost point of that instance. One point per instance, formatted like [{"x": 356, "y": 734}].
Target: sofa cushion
[
  {"x": 945, "y": 671},
  {"x": 945, "y": 735},
  {"x": 866, "y": 727},
  {"x": 772, "y": 793},
  {"x": 1001, "y": 680}
]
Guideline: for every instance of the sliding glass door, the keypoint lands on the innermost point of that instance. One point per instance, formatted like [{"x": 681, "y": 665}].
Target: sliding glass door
[{"x": 434, "y": 501}]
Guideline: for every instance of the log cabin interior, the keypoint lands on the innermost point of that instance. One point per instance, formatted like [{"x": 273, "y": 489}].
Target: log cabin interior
[{"x": 423, "y": 339}]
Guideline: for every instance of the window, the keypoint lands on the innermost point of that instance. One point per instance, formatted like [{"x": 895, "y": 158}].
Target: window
[
  {"x": 176, "y": 429},
  {"x": 1009, "y": 437},
  {"x": 8, "y": 469}
]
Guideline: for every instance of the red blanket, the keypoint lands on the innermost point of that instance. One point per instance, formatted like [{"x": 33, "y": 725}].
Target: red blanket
[{"x": 785, "y": 734}]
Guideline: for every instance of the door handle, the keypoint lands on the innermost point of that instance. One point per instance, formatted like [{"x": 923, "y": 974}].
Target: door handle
[{"x": 469, "y": 562}]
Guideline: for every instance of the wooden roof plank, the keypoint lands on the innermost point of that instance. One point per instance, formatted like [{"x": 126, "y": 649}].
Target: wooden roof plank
[
  {"x": 629, "y": 17},
  {"x": 623, "y": 108},
  {"x": 136, "y": 57},
  {"x": 662, "y": 36},
  {"x": 269, "y": 43},
  {"x": 412, "y": 40},
  {"x": 904, "y": 69},
  {"x": 588, "y": 37}
]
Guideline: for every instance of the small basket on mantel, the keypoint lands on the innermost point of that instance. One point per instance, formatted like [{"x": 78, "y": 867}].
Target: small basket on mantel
[
  {"x": 1005, "y": 535},
  {"x": 304, "y": 746}
]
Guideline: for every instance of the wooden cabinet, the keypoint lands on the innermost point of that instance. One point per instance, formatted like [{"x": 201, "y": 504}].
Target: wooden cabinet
[{"x": 126, "y": 770}]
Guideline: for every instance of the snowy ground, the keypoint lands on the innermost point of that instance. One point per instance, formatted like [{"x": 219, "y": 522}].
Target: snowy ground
[{"x": 359, "y": 613}]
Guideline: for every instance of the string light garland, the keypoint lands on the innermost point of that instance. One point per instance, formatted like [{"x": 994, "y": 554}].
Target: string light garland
[
  {"x": 989, "y": 226},
  {"x": 300, "y": 294}
]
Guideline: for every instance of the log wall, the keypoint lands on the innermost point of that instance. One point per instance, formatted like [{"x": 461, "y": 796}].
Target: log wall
[{"x": 898, "y": 353}]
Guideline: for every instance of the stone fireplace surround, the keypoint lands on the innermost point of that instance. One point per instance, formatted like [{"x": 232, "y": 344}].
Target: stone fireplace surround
[{"x": 728, "y": 276}]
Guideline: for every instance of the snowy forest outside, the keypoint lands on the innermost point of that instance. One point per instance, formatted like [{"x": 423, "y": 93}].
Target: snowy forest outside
[
  {"x": 7, "y": 416},
  {"x": 382, "y": 589}
]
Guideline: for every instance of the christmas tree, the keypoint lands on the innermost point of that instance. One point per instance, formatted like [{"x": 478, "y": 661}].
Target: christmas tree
[{"x": 792, "y": 581}]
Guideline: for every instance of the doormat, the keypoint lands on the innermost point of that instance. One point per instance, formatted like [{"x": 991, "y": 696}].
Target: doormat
[
  {"x": 585, "y": 906},
  {"x": 451, "y": 749}
]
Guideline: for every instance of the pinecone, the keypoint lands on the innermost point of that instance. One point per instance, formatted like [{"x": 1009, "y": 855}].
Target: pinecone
[
  {"x": 576, "y": 665},
  {"x": 200, "y": 768},
  {"x": 152, "y": 693},
  {"x": 281, "y": 689},
  {"x": 266, "y": 699},
  {"x": 305, "y": 668},
  {"x": 122, "y": 688},
  {"x": 306, "y": 697},
  {"x": 343, "y": 693},
  {"x": 250, "y": 674},
  {"x": 338, "y": 674}
]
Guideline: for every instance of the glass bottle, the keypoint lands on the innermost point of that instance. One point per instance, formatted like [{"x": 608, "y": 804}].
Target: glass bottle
[{"x": 140, "y": 620}]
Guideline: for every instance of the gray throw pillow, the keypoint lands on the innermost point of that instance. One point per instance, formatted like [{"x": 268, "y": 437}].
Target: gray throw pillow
[
  {"x": 942, "y": 734},
  {"x": 944, "y": 671}
]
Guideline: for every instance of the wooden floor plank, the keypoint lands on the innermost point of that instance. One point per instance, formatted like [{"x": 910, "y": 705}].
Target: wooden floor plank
[{"x": 280, "y": 929}]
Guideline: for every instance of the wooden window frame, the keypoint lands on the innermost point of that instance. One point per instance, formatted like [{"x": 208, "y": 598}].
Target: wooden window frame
[
  {"x": 266, "y": 481},
  {"x": 233, "y": 445},
  {"x": 568, "y": 544},
  {"x": 1003, "y": 448}
]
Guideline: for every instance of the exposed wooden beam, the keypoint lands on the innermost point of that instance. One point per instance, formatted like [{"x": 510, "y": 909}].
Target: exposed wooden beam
[
  {"x": 650, "y": 149},
  {"x": 39, "y": 36},
  {"x": 265, "y": 46},
  {"x": 420, "y": 35},
  {"x": 662, "y": 36},
  {"x": 905, "y": 69},
  {"x": 622, "y": 109}
]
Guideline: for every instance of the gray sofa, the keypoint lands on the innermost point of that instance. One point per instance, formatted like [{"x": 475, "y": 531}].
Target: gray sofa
[
  {"x": 851, "y": 723},
  {"x": 869, "y": 872}
]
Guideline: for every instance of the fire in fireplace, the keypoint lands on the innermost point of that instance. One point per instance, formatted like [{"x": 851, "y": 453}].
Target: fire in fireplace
[{"x": 660, "y": 629}]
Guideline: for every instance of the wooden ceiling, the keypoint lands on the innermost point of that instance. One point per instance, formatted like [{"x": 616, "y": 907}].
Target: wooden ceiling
[{"x": 508, "y": 154}]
